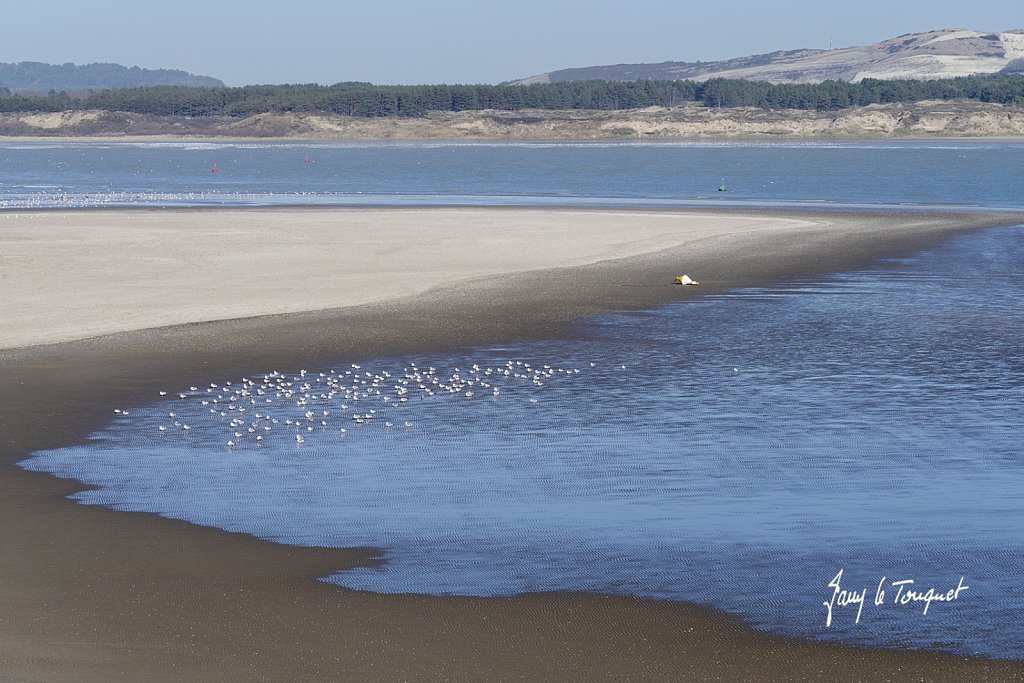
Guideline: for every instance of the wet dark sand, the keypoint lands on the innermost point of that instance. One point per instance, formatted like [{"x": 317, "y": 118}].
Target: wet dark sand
[{"x": 89, "y": 594}]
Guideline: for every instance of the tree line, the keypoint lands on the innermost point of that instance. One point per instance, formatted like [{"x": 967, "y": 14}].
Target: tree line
[{"x": 367, "y": 100}]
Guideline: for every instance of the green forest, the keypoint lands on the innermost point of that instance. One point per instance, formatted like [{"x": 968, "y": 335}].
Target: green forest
[{"x": 367, "y": 100}]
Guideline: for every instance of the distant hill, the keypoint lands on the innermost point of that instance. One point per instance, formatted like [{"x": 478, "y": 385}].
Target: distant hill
[
  {"x": 39, "y": 77},
  {"x": 936, "y": 54}
]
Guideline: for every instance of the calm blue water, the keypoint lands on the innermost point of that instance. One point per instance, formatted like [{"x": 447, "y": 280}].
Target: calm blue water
[
  {"x": 737, "y": 450},
  {"x": 179, "y": 174}
]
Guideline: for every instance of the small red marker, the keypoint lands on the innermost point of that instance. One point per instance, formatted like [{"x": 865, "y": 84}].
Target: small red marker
[{"x": 214, "y": 169}]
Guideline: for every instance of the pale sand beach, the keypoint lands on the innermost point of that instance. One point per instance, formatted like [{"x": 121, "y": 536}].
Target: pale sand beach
[
  {"x": 90, "y": 594},
  {"x": 74, "y": 275}
]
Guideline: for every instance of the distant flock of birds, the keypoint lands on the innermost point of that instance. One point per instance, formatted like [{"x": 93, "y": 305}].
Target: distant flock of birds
[
  {"x": 48, "y": 200},
  {"x": 253, "y": 411}
]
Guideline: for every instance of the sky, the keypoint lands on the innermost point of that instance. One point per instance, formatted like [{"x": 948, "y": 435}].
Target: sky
[{"x": 246, "y": 42}]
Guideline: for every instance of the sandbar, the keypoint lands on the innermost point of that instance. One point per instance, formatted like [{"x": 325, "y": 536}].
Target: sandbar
[
  {"x": 103, "y": 308},
  {"x": 73, "y": 275}
]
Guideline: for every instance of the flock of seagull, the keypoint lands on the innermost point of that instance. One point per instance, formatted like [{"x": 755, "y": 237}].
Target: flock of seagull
[
  {"x": 67, "y": 200},
  {"x": 252, "y": 411}
]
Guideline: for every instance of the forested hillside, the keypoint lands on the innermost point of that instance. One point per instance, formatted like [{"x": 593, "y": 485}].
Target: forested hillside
[{"x": 41, "y": 78}]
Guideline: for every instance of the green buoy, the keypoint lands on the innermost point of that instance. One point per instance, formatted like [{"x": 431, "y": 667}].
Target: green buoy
[{"x": 721, "y": 188}]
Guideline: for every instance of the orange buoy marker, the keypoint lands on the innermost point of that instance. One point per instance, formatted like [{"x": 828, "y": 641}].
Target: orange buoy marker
[
  {"x": 686, "y": 280},
  {"x": 214, "y": 169}
]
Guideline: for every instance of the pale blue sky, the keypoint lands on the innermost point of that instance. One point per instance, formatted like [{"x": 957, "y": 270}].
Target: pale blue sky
[{"x": 453, "y": 41}]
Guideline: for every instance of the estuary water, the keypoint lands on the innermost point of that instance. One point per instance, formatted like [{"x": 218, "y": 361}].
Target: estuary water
[
  {"x": 737, "y": 450},
  {"x": 69, "y": 175}
]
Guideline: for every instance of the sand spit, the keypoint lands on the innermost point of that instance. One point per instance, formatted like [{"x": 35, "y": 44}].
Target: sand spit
[
  {"x": 90, "y": 594},
  {"x": 72, "y": 275}
]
